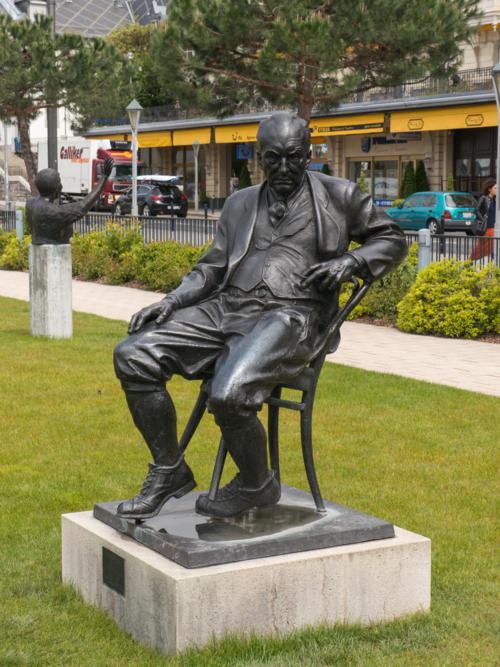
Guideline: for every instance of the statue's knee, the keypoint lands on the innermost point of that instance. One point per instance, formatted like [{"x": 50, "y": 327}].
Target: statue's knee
[
  {"x": 226, "y": 406},
  {"x": 122, "y": 352}
]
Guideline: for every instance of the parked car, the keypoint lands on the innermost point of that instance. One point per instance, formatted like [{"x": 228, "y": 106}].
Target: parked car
[
  {"x": 438, "y": 211},
  {"x": 154, "y": 199}
]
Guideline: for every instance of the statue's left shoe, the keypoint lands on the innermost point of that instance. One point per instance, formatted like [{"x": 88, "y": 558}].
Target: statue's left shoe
[
  {"x": 161, "y": 484},
  {"x": 234, "y": 498}
]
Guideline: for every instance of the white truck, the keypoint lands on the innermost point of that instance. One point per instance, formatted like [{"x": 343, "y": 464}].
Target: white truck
[{"x": 79, "y": 163}]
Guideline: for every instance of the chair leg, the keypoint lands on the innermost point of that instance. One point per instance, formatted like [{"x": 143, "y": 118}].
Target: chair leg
[
  {"x": 194, "y": 420},
  {"x": 307, "y": 453},
  {"x": 273, "y": 434},
  {"x": 220, "y": 459}
]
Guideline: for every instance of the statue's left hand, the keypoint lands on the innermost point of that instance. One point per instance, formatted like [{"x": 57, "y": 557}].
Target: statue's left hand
[
  {"x": 327, "y": 275},
  {"x": 107, "y": 166}
]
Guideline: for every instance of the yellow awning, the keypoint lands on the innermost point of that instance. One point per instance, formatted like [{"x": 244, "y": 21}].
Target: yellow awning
[
  {"x": 187, "y": 137},
  {"x": 449, "y": 118},
  {"x": 146, "y": 139},
  {"x": 236, "y": 134},
  {"x": 155, "y": 139},
  {"x": 341, "y": 125}
]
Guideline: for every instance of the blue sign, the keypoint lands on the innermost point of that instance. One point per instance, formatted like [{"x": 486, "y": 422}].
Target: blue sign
[{"x": 244, "y": 151}]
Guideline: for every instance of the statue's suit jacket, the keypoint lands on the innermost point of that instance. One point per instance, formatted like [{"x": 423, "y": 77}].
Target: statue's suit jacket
[{"x": 342, "y": 213}]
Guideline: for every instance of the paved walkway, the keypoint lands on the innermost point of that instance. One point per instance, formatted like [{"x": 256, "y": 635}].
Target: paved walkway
[{"x": 458, "y": 363}]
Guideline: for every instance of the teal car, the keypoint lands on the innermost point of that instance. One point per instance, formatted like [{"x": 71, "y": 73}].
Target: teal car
[{"x": 438, "y": 211}]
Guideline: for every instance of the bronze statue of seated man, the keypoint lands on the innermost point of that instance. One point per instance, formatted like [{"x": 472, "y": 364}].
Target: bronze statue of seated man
[{"x": 252, "y": 313}]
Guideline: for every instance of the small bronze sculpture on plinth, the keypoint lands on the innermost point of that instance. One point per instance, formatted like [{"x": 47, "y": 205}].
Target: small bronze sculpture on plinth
[
  {"x": 51, "y": 224},
  {"x": 250, "y": 315},
  {"x": 51, "y": 221}
]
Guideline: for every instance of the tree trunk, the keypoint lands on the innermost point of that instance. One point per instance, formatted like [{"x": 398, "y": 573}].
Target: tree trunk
[
  {"x": 27, "y": 154},
  {"x": 304, "y": 108}
]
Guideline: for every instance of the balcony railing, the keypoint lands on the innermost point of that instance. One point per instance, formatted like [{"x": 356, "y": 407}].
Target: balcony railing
[{"x": 465, "y": 81}]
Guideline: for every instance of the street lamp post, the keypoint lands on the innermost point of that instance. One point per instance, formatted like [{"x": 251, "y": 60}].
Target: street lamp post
[
  {"x": 196, "y": 150},
  {"x": 51, "y": 110},
  {"x": 6, "y": 167},
  {"x": 495, "y": 73},
  {"x": 134, "y": 114}
]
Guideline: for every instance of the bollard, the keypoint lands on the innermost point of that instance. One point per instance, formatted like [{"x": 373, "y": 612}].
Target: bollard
[
  {"x": 424, "y": 248},
  {"x": 212, "y": 203},
  {"x": 19, "y": 225}
]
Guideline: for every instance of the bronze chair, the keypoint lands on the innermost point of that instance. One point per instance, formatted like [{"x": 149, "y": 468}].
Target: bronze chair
[{"x": 305, "y": 382}]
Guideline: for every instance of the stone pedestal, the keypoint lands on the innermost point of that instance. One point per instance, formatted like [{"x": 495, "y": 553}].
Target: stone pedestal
[
  {"x": 171, "y": 608},
  {"x": 50, "y": 291}
]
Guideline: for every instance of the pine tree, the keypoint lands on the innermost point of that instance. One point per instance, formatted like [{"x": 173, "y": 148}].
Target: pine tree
[
  {"x": 244, "y": 180},
  {"x": 300, "y": 53},
  {"x": 134, "y": 42},
  {"x": 408, "y": 185},
  {"x": 38, "y": 70},
  {"x": 421, "y": 180}
]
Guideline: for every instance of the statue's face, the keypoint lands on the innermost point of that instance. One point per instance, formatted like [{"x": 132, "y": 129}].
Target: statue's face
[{"x": 284, "y": 158}]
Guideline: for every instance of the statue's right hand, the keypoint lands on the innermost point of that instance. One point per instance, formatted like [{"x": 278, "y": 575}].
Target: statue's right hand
[{"x": 157, "y": 311}]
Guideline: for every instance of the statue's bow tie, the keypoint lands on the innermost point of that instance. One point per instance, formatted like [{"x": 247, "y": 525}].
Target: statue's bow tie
[{"x": 277, "y": 211}]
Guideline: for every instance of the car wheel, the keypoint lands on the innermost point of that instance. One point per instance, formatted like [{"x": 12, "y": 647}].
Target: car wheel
[
  {"x": 433, "y": 226},
  {"x": 469, "y": 232},
  {"x": 118, "y": 210},
  {"x": 146, "y": 211}
]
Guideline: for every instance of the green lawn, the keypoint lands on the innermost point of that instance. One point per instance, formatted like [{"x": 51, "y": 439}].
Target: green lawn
[{"x": 421, "y": 455}]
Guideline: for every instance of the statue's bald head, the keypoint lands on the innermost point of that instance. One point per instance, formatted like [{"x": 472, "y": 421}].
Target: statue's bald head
[
  {"x": 281, "y": 126},
  {"x": 48, "y": 183}
]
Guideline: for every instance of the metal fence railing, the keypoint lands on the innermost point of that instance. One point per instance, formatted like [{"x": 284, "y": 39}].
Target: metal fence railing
[
  {"x": 190, "y": 231},
  {"x": 8, "y": 221},
  {"x": 480, "y": 249}
]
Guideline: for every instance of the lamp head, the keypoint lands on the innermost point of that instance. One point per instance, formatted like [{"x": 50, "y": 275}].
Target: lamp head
[{"x": 134, "y": 113}]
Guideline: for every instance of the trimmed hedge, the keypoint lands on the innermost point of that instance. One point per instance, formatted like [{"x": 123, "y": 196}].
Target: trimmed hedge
[
  {"x": 119, "y": 256},
  {"x": 14, "y": 254},
  {"x": 450, "y": 298}
]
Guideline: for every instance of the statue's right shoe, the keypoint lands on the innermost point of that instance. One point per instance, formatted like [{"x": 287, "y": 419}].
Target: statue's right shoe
[{"x": 161, "y": 484}]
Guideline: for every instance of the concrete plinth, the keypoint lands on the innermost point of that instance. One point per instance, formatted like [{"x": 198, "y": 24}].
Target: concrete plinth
[
  {"x": 50, "y": 291},
  {"x": 170, "y": 608}
]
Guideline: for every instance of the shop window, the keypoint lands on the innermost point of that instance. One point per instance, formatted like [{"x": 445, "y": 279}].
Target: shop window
[
  {"x": 184, "y": 167},
  {"x": 385, "y": 181},
  {"x": 356, "y": 168}
]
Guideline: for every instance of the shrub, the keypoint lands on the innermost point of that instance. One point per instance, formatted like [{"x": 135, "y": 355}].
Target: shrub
[
  {"x": 90, "y": 255},
  {"x": 448, "y": 298},
  {"x": 490, "y": 296},
  {"x": 14, "y": 254},
  {"x": 408, "y": 184},
  {"x": 119, "y": 255},
  {"x": 383, "y": 297},
  {"x": 421, "y": 180},
  {"x": 4, "y": 239},
  {"x": 362, "y": 182},
  {"x": 244, "y": 180},
  {"x": 106, "y": 254}
]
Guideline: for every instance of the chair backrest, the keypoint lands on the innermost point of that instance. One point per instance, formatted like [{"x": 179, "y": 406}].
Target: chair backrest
[{"x": 358, "y": 293}]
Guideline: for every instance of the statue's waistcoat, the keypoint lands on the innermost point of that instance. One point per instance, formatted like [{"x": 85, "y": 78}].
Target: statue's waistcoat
[{"x": 281, "y": 250}]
